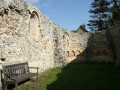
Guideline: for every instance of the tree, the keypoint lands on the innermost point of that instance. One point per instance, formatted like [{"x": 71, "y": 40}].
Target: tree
[
  {"x": 115, "y": 10},
  {"x": 105, "y": 13},
  {"x": 100, "y": 15}
]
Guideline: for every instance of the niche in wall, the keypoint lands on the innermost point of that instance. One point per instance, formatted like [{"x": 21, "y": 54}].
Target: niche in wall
[{"x": 34, "y": 26}]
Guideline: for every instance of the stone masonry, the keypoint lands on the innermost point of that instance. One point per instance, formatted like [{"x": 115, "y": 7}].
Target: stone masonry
[
  {"x": 26, "y": 35},
  {"x": 115, "y": 43}
]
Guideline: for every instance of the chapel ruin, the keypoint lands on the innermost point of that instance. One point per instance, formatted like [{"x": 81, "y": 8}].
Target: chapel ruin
[{"x": 27, "y": 35}]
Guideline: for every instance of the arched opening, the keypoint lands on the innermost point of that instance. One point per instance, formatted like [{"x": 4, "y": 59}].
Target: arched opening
[
  {"x": 78, "y": 52},
  {"x": 34, "y": 26},
  {"x": 67, "y": 53},
  {"x": 65, "y": 40},
  {"x": 73, "y": 53},
  {"x": 66, "y": 34}
]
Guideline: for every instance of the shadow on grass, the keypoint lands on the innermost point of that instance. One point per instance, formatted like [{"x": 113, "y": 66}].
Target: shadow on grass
[
  {"x": 91, "y": 76},
  {"x": 87, "y": 76}
]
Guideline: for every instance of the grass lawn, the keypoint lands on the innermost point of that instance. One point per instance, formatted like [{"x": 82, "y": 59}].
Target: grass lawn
[{"x": 82, "y": 76}]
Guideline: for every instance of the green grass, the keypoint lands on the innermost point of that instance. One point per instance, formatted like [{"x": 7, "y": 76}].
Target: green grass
[{"x": 82, "y": 76}]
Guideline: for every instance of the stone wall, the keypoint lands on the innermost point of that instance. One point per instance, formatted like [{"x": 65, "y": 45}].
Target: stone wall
[
  {"x": 99, "y": 47},
  {"x": 115, "y": 43},
  {"x": 26, "y": 35},
  {"x": 93, "y": 47},
  {"x": 74, "y": 44}
]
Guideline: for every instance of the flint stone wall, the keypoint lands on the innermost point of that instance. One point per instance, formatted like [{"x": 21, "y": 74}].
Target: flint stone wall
[
  {"x": 115, "y": 43},
  {"x": 90, "y": 47},
  {"x": 27, "y": 35}
]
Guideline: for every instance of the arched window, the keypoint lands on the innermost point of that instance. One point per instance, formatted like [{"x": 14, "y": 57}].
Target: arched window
[
  {"x": 78, "y": 52},
  {"x": 34, "y": 26},
  {"x": 65, "y": 40},
  {"x": 73, "y": 53},
  {"x": 67, "y": 54}
]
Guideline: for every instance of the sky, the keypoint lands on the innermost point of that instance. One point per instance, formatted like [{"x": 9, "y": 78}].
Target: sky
[{"x": 68, "y": 14}]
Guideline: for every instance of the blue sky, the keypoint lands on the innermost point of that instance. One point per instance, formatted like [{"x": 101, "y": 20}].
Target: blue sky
[{"x": 68, "y": 14}]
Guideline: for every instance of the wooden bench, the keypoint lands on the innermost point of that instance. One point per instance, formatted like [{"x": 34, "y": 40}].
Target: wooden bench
[{"x": 16, "y": 73}]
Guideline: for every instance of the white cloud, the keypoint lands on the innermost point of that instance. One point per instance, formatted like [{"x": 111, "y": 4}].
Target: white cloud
[{"x": 47, "y": 3}]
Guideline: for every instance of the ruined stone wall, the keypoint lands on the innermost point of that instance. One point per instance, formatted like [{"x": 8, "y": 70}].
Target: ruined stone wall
[
  {"x": 27, "y": 35},
  {"x": 74, "y": 44},
  {"x": 115, "y": 43},
  {"x": 93, "y": 47},
  {"x": 59, "y": 56},
  {"x": 99, "y": 48}
]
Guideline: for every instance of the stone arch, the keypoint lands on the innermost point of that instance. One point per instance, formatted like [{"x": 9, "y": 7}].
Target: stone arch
[
  {"x": 66, "y": 34},
  {"x": 65, "y": 40},
  {"x": 78, "y": 52},
  {"x": 67, "y": 54},
  {"x": 34, "y": 26},
  {"x": 73, "y": 53},
  {"x": 34, "y": 12}
]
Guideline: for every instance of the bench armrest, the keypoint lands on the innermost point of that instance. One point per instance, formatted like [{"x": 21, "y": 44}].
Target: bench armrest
[{"x": 35, "y": 68}]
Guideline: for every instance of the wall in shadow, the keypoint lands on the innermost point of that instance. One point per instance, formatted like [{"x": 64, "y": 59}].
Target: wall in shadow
[
  {"x": 100, "y": 48},
  {"x": 115, "y": 38}
]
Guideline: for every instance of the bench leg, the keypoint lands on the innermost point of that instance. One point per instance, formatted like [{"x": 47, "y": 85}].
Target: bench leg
[
  {"x": 16, "y": 86},
  {"x": 37, "y": 76}
]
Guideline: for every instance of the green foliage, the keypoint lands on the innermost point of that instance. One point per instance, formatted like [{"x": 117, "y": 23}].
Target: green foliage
[
  {"x": 45, "y": 79},
  {"x": 99, "y": 10},
  {"x": 104, "y": 14},
  {"x": 115, "y": 9},
  {"x": 81, "y": 76}
]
